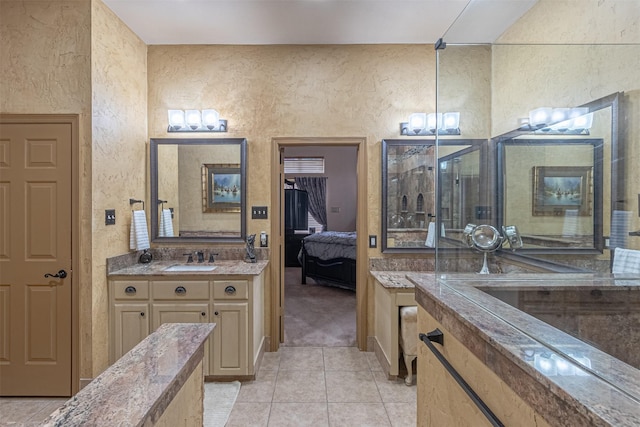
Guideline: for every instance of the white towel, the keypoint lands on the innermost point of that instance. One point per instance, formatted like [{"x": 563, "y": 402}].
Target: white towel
[
  {"x": 626, "y": 261},
  {"x": 165, "y": 228},
  {"x": 431, "y": 234},
  {"x": 570, "y": 227},
  {"x": 139, "y": 236}
]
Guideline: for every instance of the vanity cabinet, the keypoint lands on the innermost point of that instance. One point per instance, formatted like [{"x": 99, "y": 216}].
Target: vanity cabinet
[
  {"x": 233, "y": 303},
  {"x": 129, "y": 315}
]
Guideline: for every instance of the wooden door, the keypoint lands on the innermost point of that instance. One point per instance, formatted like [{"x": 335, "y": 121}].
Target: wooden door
[{"x": 35, "y": 239}]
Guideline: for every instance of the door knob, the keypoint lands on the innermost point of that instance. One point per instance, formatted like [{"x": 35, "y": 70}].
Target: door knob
[{"x": 61, "y": 274}]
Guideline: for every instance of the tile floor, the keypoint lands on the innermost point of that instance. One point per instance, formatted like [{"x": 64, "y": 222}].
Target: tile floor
[
  {"x": 297, "y": 386},
  {"x": 323, "y": 386}
]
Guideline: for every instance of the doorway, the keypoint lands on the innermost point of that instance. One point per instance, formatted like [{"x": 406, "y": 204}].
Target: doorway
[
  {"x": 319, "y": 180},
  {"x": 278, "y": 271},
  {"x": 38, "y": 206}
]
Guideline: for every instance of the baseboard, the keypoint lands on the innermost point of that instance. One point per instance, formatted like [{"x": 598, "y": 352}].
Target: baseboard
[
  {"x": 382, "y": 359},
  {"x": 84, "y": 382},
  {"x": 264, "y": 345}
]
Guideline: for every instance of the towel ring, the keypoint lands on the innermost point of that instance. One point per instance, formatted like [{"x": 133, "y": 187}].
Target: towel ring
[
  {"x": 134, "y": 201},
  {"x": 162, "y": 202}
]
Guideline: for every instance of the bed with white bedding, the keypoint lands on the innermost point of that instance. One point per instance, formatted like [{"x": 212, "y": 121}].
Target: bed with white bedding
[{"x": 330, "y": 259}]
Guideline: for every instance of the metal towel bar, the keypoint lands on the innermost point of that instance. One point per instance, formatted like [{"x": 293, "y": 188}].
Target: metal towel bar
[{"x": 437, "y": 336}]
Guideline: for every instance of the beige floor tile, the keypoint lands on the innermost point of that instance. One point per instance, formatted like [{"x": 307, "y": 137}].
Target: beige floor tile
[
  {"x": 301, "y": 359},
  {"x": 351, "y": 386},
  {"x": 357, "y": 415},
  {"x": 297, "y": 415},
  {"x": 259, "y": 390},
  {"x": 345, "y": 359},
  {"x": 249, "y": 415},
  {"x": 21, "y": 410},
  {"x": 300, "y": 386},
  {"x": 270, "y": 361},
  {"x": 395, "y": 391},
  {"x": 374, "y": 364},
  {"x": 402, "y": 414}
]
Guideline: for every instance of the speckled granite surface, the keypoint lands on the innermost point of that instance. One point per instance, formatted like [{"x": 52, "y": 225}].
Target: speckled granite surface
[
  {"x": 139, "y": 386},
  {"x": 393, "y": 279},
  {"x": 508, "y": 340},
  {"x": 226, "y": 267}
]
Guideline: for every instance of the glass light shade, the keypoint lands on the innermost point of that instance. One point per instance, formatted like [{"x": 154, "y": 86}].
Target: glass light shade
[
  {"x": 560, "y": 114},
  {"x": 193, "y": 119},
  {"x": 210, "y": 119},
  {"x": 540, "y": 116},
  {"x": 582, "y": 122},
  {"x": 176, "y": 119},
  {"x": 417, "y": 122},
  {"x": 434, "y": 121},
  {"x": 451, "y": 121},
  {"x": 545, "y": 365}
]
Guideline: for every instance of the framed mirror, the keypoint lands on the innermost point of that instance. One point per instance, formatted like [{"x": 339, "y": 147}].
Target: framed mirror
[
  {"x": 409, "y": 171},
  {"x": 198, "y": 190},
  {"x": 566, "y": 222},
  {"x": 551, "y": 189}
]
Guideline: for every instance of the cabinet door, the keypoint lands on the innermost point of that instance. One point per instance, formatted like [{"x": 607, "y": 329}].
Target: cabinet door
[
  {"x": 180, "y": 313},
  {"x": 230, "y": 339},
  {"x": 131, "y": 324}
]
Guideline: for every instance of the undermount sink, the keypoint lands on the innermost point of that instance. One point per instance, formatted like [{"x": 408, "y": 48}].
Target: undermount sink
[{"x": 189, "y": 267}]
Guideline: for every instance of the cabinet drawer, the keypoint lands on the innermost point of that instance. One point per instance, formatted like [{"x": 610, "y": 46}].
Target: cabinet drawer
[
  {"x": 230, "y": 289},
  {"x": 130, "y": 289},
  {"x": 177, "y": 289}
]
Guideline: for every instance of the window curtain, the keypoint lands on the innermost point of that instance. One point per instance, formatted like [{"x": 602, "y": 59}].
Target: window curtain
[{"x": 316, "y": 188}]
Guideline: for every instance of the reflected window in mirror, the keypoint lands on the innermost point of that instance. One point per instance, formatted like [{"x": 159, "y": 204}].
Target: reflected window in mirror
[
  {"x": 409, "y": 169},
  {"x": 200, "y": 187}
]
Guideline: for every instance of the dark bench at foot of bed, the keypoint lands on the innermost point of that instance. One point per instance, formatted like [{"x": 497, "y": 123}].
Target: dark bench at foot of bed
[{"x": 339, "y": 272}]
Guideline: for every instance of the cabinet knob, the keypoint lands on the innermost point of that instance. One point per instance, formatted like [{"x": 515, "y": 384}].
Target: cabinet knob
[
  {"x": 181, "y": 290},
  {"x": 130, "y": 290},
  {"x": 142, "y": 314},
  {"x": 215, "y": 313},
  {"x": 203, "y": 314},
  {"x": 230, "y": 290}
]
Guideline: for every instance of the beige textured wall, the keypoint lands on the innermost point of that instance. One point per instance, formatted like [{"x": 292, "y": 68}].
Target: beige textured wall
[
  {"x": 303, "y": 91},
  {"x": 570, "y": 75},
  {"x": 119, "y": 122},
  {"x": 190, "y": 161},
  {"x": 46, "y": 69}
]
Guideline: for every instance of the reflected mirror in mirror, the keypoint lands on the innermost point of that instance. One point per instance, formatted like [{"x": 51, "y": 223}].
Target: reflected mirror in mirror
[
  {"x": 408, "y": 190},
  {"x": 552, "y": 191},
  {"x": 199, "y": 186}
]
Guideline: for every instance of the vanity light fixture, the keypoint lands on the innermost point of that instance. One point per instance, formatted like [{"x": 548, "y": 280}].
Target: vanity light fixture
[
  {"x": 421, "y": 124},
  {"x": 196, "y": 121},
  {"x": 549, "y": 120}
]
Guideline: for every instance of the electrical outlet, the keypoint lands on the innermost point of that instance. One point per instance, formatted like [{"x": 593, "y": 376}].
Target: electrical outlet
[
  {"x": 259, "y": 212},
  {"x": 110, "y": 217},
  {"x": 373, "y": 241}
]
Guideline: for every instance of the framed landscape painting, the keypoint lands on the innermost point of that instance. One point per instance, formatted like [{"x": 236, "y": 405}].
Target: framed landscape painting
[{"x": 558, "y": 189}]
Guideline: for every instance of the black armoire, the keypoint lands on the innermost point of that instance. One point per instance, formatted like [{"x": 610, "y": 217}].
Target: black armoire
[{"x": 295, "y": 218}]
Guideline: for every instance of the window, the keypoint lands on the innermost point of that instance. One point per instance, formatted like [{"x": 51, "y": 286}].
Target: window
[{"x": 303, "y": 165}]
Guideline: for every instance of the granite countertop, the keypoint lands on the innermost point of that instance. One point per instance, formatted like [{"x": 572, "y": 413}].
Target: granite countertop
[
  {"x": 223, "y": 268},
  {"x": 606, "y": 393},
  {"x": 393, "y": 279},
  {"x": 137, "y": 389}
]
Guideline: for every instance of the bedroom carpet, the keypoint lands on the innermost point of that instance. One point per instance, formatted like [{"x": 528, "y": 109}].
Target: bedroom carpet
[{"x": 317, "y": 315}]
